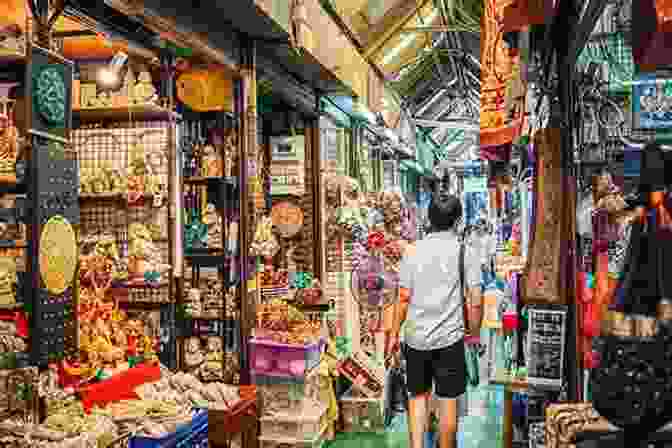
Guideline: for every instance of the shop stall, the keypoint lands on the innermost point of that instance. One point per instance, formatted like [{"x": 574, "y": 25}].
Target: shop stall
[{"x": 121, "y": 307}]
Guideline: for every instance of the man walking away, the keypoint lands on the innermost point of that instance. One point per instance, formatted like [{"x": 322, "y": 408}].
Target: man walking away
[{"x": 432, "y": 308}]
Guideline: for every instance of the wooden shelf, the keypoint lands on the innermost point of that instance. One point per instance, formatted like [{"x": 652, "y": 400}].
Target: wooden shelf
[
  {"x": 100, "y": 197},
  {"x": 142, "y": 285},
  {"x": 198, "y": 180},
  {"x": 7, "y": 179},
  {"x": 9, "y": 244},
  {"x": 206, "y": 317},
  {"x": 8, "y": 56},
  {"x": 147, "y": 112},
  {"x": 14, "y": 306},
  {"x": 109, "y": 197}
]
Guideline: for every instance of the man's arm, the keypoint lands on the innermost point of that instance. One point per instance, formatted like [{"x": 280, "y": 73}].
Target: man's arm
[
  {"x": 405, "y": 291},
  {"x": 474, "y": 296},
  {"x": 474, "y": 311},
  {"x": 401, "y": 310}
]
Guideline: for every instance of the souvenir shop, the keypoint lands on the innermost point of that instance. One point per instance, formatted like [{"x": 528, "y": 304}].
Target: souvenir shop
[
  {"x": 584, "y": 315},
  {"x": 193, "y": 249}
]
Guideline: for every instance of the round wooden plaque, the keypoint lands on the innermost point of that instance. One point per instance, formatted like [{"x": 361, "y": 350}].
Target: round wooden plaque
[
  {"x": 287, "y": 219},
  {"x": 58, "y": 254}
]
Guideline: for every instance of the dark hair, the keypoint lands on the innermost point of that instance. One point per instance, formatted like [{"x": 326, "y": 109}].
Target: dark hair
[{"x": 444, "y": 212}]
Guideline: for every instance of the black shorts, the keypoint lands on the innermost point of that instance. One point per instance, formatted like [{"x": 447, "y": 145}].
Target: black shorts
[{"x": 446, "y": 368}]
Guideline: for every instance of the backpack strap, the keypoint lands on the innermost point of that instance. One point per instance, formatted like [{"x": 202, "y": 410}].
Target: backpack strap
[{"x": 463, "y": 292}]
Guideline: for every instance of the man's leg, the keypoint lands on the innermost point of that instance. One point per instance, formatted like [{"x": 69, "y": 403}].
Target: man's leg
[
  {"x": 419, "y": 382},
  {"x": 448, "y": 422},
  {"x": 450, "y": 376},
  {"x": 417, "y": 419}
]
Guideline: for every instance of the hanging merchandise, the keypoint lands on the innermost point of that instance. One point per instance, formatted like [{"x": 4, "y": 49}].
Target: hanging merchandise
[
  {"x": 475, "y": 194},
  {"x": 287, "y": 165},
  {"x": 544, "y": 262},
  {"x": 650, "y": 48}
]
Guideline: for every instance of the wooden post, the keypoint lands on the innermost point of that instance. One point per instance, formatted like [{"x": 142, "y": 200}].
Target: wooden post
[{"x": 247, "y": 157}]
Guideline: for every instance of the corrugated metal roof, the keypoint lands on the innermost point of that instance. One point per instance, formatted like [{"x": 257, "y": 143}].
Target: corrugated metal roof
[{"x": 429, "y": 50}]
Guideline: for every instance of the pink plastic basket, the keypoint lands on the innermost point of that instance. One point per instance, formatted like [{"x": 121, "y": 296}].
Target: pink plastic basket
[{"x": 274, "y": 359}]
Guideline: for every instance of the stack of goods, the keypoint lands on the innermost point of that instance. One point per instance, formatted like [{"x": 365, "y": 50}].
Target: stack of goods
[
  {"x": 209, "y": 302},
  {"x": 286, "y": 343},
  {"x": 159, "y": 410},
  {"x": 13, "y": 341},
  {"x": 293, "y": 413},
  {"x": 362, "y": 406},
  {"x": 204, "y": 357}
]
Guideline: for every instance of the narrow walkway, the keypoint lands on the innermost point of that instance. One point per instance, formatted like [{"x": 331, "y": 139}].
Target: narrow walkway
[{"x": 481, "y": 427}]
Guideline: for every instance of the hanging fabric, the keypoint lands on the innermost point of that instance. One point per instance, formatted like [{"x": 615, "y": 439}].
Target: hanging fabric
[
  {"x": 496, "y": 73},
  {"x": 651, "y": 48},
  {"x": 475, "y": 194},
  {"x": 542, "y": 282},
  {"x": 522, "y": 13}
]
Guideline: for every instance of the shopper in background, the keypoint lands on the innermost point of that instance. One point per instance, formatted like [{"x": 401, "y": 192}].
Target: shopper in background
[{"x": 432, "y": 307}]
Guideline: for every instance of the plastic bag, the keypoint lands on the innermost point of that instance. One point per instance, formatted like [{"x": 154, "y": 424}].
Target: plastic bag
[
  {"x": 396, "y": 393},
  {"x": 472, "y": 355}
]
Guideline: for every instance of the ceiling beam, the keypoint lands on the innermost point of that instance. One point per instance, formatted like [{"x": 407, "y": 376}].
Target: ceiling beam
[
  {"x": 467, "y": 126},
  {"x": 169, "y": 29},
  {"x": 393, "y": 20},
  {"x": 427, "y": 29},
  {"x": 427, "y": 104},
  {"x": 592, "y": 12}
]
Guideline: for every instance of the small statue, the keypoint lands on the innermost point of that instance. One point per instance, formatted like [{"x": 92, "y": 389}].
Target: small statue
[
  {"x": 194, "y": 303},
  {"x": 194, "y": 357},
  {"x": 212, "y": 163},
  {"x": 9, "y": 140},
  {"x": 144, "y": 91},
  {"x": 230, "y": 151},
  {"x": 213, "y": 220},
  {"x": 214, "y": 362},
  {"x": 7, "y": 281},
  {"x": 144, "y": 256}
]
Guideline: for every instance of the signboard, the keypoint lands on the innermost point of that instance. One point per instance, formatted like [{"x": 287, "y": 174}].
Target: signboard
[
  {"x": 287, "y": 219},
  {"x": 287, "y": 165},
  {"x": 651, "y": 103}
]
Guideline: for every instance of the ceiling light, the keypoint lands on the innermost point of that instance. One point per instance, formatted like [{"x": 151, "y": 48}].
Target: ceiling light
[{"x": 110, "y": 76}]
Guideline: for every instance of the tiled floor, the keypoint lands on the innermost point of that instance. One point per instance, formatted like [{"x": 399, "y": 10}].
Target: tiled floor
[{"x": 479, "y": 428}]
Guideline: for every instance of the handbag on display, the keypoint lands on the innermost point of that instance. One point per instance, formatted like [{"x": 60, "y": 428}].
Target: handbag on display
[{"x": 632, "y": 386}]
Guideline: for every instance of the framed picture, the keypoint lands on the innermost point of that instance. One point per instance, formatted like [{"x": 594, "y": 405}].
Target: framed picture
[{"x": 651, "y": 103}]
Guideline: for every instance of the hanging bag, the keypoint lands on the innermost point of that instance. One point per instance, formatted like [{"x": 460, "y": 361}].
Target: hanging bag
[
  {"x": 471, "y": 351},
  {"x": 632, "y": 386}
]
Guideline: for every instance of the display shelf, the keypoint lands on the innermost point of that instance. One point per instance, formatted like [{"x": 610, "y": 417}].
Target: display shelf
[
  {"x": 199, "y": 180},
  {"x": 206, "y": 260},
  {"x": 7, "y": 179},
  {"x": 146, "y": 112},
  {"x": 90, "y": 197},
  {"x": 13, "y": 306},
  {"x": 19, "y": 244},
  {"x": 9, "y": 56}
]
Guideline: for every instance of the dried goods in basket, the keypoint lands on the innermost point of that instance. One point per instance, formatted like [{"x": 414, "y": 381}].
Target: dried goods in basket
[{"x": 306, "y": 423}]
